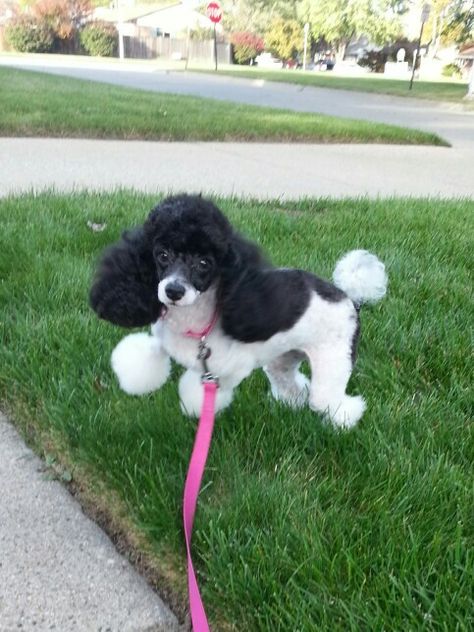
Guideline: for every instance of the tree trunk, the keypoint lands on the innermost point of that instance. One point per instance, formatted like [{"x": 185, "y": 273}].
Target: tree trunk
[{"x": 341, "y": 50}]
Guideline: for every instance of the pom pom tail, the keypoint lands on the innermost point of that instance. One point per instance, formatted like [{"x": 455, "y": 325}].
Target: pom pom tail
[{"x": 361, "y": 275}]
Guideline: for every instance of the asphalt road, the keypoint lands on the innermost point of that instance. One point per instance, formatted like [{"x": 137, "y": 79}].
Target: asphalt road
[{"x": 451, "y": 121}]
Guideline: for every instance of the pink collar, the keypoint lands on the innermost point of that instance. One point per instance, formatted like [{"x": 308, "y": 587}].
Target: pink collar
[
  {"x": 196, "y": 334},
  {"x": 205, "y": 332}
]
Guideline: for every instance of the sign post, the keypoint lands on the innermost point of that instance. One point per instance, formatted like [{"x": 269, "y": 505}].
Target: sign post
[
  {"x": 425, "y": 14},
  {"x": 306, "y": 30},
  {"x": 214, "y": 13}
]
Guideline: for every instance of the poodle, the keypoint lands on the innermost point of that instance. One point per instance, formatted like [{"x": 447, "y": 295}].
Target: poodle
[{"x": 201, "y": 285}]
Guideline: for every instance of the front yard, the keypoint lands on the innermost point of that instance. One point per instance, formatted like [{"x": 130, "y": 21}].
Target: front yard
[{"x": 299, "y": 527}]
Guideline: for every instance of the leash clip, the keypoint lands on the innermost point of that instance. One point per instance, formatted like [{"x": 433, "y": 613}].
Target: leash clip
[{"x": 204, "y": 354}]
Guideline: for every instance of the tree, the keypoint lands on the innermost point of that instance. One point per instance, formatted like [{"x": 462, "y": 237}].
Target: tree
[
  {"x": 459, "y": 25},
  {"x": 284, "y": 38},
  {"x": 338, "y": 21},
  {"x": 434, "y": 26},
  {"x": 450, "y": 22},
  {"x": 64, "y": 17},
  {"x": 255, "y": 15}
]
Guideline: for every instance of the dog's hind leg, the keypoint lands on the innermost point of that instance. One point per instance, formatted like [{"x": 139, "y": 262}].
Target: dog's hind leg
[
  {"x": 287, "y": 383},
  {"x": 331, "y": 367}
]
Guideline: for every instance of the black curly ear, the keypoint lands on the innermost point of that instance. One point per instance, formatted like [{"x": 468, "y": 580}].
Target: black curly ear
[
  {"x": 125, "y": 287},
  {"x": 243, "y": 254}
]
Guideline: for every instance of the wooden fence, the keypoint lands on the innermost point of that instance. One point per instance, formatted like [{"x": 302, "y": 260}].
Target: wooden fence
[{"x": 145, "y": 45}]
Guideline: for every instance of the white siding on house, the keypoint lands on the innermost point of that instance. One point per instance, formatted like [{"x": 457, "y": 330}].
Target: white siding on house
[{"x": 174, "y": 20}]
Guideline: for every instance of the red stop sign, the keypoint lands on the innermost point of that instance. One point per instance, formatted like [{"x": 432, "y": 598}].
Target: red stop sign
[{"x": 214, "y": 12}]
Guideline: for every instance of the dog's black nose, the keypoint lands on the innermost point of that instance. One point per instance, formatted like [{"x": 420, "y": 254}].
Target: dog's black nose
[{"x": 175, "y": 291}]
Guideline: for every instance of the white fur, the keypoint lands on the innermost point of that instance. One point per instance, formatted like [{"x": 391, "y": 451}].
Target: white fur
[
  {"x": 346, "y": 413},
  {"x": 140, "y": 364},
  {"x": 191, "y": 394},
  {"x": 361, "y": 275},
  {"x": 287, "y": 383},
  {"x": 323, "y": 335},
  {"x": 190, "y": 294}
]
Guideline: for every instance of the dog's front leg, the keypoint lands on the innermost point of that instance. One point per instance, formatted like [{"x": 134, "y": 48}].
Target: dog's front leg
[
  {"x": 140, "y": 363},
  {"x": 191, "y": 393}
]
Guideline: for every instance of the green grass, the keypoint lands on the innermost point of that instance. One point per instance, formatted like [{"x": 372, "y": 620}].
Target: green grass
[
  {"x": 434, "y": 90},
  {"x": 36, "y": 104},
  {"x": 299, "y": 527}
]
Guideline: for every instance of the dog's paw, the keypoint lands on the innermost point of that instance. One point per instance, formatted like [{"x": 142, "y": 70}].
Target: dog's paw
[
  {"x": 346, "y": 414},
  {"x": 191, "y": 394},
  {"x": 140, "y": 364}
]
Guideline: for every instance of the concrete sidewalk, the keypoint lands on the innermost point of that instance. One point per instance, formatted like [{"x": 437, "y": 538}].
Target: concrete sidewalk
[
  {"x": 257, "y": 170},
  {"x": 58, "y": 570}
]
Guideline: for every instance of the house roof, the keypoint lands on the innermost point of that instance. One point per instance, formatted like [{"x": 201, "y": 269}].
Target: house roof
[
  {"x": 132, "y": 13},
  {"x": 467, "y": 51}
]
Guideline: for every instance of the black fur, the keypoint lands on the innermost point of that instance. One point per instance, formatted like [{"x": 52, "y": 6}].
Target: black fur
[
  {"x": 255, "y": 300},
  {"x": 124, "y": 289},
  {"x": 355, "y": 337}
]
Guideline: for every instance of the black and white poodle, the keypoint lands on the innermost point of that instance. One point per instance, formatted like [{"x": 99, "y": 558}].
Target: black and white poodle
[{"x": 187, "y": 273}]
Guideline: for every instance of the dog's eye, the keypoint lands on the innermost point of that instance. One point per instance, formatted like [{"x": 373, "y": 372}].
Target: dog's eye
[
  {"x": 204, "y": 264},
  {"x": 163, "y": 257}
]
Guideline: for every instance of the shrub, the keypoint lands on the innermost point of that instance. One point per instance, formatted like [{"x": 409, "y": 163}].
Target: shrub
[
  {"x": 376, "y": 59},
  {"x": 100, "y": 39},
  {"x": 26, "y": 34},
  {"x": 284, "y": 39},
  {"x": 451, "y": 70},
  {"x": 246, "y": 46}
]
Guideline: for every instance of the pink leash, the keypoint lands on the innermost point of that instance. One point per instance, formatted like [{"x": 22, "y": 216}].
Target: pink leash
[
  {"x": 197, "y": 464},
  {"x": 191, "y": 491}
]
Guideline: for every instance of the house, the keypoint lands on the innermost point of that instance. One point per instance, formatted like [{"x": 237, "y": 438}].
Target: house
[
  {"x": 174, "y": 20},
  {"x": 169, "y": 19},
  {"x": 465, "y": 59},
  {"x": 149, "y": 31}
]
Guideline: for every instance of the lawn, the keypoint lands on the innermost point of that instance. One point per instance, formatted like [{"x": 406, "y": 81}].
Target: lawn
[
  {"x": 37, "y": 104},
  {"x": 299, "y": 527},
  {"x": 434, "y": 90}
]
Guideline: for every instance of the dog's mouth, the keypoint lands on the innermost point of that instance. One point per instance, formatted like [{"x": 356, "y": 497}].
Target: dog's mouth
[{"x": 175, "y": 292}]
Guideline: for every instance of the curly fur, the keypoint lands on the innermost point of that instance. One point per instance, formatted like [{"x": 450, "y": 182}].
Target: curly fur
[{"x": 187, "y": 263}]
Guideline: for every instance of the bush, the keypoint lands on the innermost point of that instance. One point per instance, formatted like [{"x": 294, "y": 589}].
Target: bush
[
  {"x": 100, "y": 39},
  {"x": 26, "y": 34},
  {"x": 246, "y": 46},
  {"x": 376, "y": 59},
  {"x": 451, "y": 70}
]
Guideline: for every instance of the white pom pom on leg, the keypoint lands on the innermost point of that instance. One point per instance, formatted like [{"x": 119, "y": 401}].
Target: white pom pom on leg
[{"x": 140, "y": 364}]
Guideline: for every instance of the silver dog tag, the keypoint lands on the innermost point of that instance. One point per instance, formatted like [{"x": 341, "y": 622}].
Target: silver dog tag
[{"x": 203, "y": 354}]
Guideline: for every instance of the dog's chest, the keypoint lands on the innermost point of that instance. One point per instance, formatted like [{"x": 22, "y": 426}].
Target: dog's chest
[{"x": 227, "y": 355}]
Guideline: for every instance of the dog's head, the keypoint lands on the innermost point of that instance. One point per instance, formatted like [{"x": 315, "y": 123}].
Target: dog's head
[
  {"x": 191, "y": 243},
  {"x": 185, "y": 247}
]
